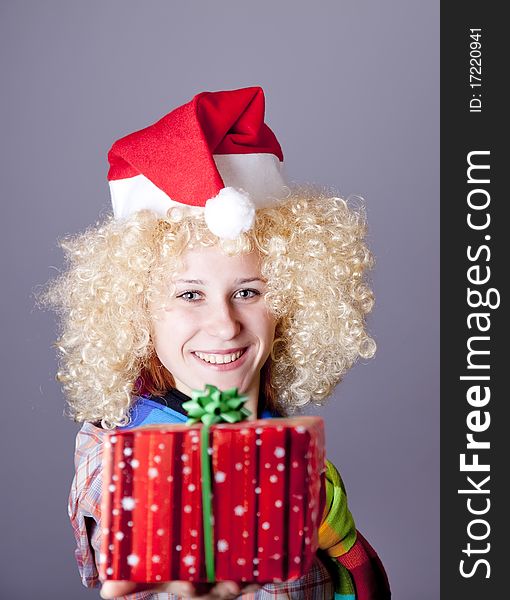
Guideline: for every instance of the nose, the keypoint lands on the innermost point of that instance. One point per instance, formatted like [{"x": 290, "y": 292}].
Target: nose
[{"x": 224, "y": 323}]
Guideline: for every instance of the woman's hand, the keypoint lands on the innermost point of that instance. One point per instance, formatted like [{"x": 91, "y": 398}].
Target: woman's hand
[{"x": 223, "y": 590}]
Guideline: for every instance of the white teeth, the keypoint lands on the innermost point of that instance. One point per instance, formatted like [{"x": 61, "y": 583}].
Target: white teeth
[{"x": 219, "y": 359}]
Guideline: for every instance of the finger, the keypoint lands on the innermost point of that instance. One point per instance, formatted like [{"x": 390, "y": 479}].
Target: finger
[
  {"x": 113, "y": 589},
  {"x": 223, "y": 590},
  {"x": 110, "y": 589},
  {"x": 179, "y": 588},
  {"x": 226, "y": 589}
]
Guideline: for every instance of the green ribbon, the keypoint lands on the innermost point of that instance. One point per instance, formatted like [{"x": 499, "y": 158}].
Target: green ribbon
[{"x": 209, "y": 407}]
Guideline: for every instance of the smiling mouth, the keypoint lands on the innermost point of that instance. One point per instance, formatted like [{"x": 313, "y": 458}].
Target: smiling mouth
[{"x": 220, "y": 359}]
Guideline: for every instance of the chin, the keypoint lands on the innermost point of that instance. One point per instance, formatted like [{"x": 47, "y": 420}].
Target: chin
[{"x": 225, "y": 383}]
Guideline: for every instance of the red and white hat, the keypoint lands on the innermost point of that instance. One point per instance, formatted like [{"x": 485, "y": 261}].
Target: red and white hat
[{"x": 214, "y": 153}]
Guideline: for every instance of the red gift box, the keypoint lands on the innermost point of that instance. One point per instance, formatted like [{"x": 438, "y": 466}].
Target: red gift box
[{"x": 265, "y": 485}]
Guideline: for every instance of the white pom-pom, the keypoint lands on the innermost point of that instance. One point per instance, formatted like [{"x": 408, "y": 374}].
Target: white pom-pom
[{"x": 230, "y": 213}]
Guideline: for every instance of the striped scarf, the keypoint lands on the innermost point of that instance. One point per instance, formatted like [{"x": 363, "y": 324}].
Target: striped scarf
[{"x": 337, "y": 532}]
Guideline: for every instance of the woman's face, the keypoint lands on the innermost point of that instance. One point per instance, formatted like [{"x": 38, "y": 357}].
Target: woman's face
[{"x": 215, "y": 327}]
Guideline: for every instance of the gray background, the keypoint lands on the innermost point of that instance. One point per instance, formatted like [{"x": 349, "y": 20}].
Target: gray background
[{"x": 353, "y": 95}]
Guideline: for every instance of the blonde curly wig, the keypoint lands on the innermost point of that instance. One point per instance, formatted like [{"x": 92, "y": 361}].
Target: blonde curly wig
[{"x": 314, "y": 259}]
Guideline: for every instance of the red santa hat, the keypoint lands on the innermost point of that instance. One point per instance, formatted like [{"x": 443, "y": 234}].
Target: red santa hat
[{"x": 214, "y": 153}]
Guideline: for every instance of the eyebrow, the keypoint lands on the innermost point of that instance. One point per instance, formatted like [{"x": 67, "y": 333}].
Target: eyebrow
[{"x": 237, "y": 281}]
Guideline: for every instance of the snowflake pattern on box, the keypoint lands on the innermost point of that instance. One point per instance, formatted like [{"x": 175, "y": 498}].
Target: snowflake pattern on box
[{"x": 266, "y": 481}]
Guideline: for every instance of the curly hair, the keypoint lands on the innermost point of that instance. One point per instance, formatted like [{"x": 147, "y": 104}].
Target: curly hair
[{"x": 313, "y": 257}]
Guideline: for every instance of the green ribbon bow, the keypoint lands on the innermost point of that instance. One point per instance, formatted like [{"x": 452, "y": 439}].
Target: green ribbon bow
[
  {"x": 209, "y": 407},
  {"x": 213, "y": 406}
]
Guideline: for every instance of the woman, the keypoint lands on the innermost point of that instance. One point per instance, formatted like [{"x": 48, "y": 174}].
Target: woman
[{"x": 211, "y": 271}]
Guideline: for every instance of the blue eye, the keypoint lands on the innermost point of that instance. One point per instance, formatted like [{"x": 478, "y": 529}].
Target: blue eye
[
  {"x": 245, "y": 294},
  {"x": 190, "y": 296}
]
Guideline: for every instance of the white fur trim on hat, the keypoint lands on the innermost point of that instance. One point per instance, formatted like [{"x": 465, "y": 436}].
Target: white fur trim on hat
[
  {"x": 259, "y": 175},
  {"x": 230, "y": 213},
  {"x": 138, "y": 193}
]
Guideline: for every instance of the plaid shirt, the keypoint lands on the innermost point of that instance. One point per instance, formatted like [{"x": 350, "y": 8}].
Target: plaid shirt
[{"x": 85, "y": 515}]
